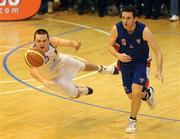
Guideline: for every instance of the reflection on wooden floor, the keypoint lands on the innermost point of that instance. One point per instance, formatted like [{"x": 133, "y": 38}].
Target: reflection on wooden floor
[{"x": 26, "y": 113}]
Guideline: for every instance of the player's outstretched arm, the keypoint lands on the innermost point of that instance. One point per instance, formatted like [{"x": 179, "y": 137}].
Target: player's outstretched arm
[
  {"x": 35, "y": 73},
  {"x": 59, "y": 42}
]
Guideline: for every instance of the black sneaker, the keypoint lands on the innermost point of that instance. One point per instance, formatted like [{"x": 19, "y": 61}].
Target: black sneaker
[
  {"x": 90, "y": 91},
  {"x": 116, "y": 71}
]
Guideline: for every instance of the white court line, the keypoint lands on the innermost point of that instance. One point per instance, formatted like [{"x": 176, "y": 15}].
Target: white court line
[
  {"x": 86, "y": 75},
  {"x": 67, "y": 22},
  {"x": 11, "y": 81},
  {"x": 4, "y": 46},
  {"x": 2, "y": 53},
  {"x": 20, "y": 90},
  {"x": 75, "y": 24}
]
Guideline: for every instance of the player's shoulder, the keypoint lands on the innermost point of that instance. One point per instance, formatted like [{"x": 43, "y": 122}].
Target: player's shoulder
[
  {"x": 146, "y": 30},
  {"x": 114, "y": 28},
  {"x": 54, "y": 41}
]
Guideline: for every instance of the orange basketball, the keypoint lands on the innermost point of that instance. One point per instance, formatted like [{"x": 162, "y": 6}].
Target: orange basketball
[{"x": 34, "y": 57}]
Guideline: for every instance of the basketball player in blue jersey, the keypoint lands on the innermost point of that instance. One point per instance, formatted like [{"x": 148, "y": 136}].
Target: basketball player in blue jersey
[
  {"x": 58, "y": 71},
  {"x": 134, "y": 39}
]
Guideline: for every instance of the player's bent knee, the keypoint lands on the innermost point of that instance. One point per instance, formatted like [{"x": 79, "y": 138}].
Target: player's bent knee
[{"x": 136, "y": 94}]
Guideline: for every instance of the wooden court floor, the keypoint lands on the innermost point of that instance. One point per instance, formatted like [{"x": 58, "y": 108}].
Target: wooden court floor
[{"x": 30, "y": 111}]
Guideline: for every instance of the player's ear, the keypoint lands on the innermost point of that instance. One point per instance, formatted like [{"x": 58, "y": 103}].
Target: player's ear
[
  {"x": 135, "y": 18},
  {"x": 34, "y": 40}
]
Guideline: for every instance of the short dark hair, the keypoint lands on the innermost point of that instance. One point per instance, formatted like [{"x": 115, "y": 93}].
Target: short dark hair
[
  {"x": 41, "y": 32},
  {"x": 131, "y": 9}
]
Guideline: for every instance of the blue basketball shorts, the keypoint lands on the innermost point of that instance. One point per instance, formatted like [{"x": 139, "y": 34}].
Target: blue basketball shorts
[{"x": 134, "y": 74}]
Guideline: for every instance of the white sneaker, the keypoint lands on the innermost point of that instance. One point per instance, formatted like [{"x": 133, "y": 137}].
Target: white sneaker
[
  {"x": 131, "y": 126},
  {"x": 174, "y": 18},
  {"x": 151, "y": 100},
  {"x": 108, "y": 69}
]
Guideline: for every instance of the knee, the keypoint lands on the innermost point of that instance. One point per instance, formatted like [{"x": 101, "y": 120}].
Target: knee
[
  {"x": 136, "y": 90},
  {"x": 136, "y": 93}
]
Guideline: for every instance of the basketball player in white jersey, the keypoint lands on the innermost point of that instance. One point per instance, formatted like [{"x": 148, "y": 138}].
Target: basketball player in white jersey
[{"x": 59, "y": 70}]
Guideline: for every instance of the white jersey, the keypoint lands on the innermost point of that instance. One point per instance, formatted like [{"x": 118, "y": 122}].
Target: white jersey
[
  {"x": 61, "y": 69},
  {"x": 51, "y": 68}
]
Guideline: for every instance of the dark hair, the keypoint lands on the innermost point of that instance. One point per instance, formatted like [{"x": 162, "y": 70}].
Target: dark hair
[
  {"x": 41, "y": 32},
  {"x": 131, "y": 9}
]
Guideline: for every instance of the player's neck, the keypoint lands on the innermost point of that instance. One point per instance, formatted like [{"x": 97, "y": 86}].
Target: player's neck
[{"x": 131, "y": 30}]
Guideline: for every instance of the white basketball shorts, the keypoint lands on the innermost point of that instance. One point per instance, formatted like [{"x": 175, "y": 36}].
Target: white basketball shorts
[{"x": 69, "y": 69}]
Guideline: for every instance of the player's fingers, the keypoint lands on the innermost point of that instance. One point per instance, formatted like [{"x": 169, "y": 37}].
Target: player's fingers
[
  {"x": 126, "y": 60},
  {"x": 76, "y": 49},
  {"x": 79, "y": 43},
  {"x": 159, "y": 78}
]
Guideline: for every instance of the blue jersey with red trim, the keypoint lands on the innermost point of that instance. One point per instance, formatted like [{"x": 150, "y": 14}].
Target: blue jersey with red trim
[{"x": 133, "y": 44}]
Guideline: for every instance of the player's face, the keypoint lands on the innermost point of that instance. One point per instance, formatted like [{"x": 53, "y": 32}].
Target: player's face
[
  {"x": 128, "y": 20},
  {"x": 42, "y": 42}
]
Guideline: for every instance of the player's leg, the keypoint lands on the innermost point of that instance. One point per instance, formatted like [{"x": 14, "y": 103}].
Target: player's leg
[
  {"x": 135, "y": 106},
  {"x": 65, "y": 86},
  {"x": 136, "y": 87},
  {"x": 108, "y": 69},
  {"x": 147, "y": 96},
  {"x": 80, "y": 65},
  {"x": 69, "y": 69},
  {"x": 101, "y": 68},
  {"x": 138, "y": 78},
  {"x": 147, "y": 92},
  {"x": 127, "y": 84},
  {"x": 136, "y": 99},
  {"x": 139, "y": 81}
]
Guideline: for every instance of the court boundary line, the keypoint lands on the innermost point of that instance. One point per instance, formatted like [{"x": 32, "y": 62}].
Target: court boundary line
[{"x": 69, "y": 99}]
